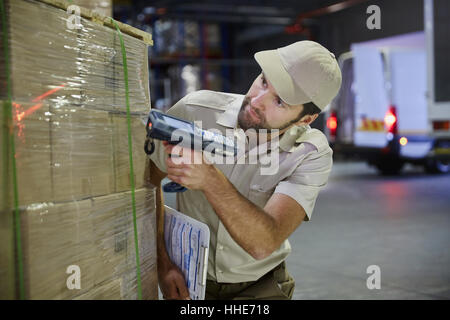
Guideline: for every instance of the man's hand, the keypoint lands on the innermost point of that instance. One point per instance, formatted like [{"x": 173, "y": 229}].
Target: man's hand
[
  {"x": 171, "y": 282},
  {"x": 189, "y": 168}
]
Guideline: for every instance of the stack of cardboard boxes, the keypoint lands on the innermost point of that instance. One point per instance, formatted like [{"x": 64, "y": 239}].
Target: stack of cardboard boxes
[
  {"x": 103, "y": 7},
  {"x": 70, "y": 131}
]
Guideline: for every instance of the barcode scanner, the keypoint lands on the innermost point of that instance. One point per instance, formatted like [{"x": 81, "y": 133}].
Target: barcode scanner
[{"x": 178, "y": 131}]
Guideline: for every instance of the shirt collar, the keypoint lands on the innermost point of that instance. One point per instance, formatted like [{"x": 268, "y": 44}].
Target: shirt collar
[
  {"x": 229, "y": 117},
  {"x": 289, "y": 139},
  {"x": 288, "y": 142}
]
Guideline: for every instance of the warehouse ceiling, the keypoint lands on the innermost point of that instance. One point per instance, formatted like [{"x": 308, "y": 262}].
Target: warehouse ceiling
[{"x": 280, "y": 12}]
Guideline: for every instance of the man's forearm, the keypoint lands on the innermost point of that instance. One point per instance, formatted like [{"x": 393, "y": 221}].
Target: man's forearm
[{"x": 250, "y": 226}]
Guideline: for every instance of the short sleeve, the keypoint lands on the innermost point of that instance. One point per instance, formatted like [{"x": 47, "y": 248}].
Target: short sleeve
[
  {"x": 159, "y": 156},
  {"x": 304, "y": 184}
]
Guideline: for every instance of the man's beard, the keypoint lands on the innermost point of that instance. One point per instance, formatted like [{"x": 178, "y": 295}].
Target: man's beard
[{"x": 245, "y": 121}]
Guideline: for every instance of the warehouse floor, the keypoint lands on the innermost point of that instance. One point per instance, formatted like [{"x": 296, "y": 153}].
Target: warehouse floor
[{"x": 400, "y": 224}]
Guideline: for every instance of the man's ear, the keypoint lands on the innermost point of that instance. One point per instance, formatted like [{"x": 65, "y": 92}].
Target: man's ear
[{"x": 307, "y": 120}]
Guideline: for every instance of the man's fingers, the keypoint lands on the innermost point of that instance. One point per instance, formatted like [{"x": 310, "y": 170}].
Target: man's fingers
[
  {"x": 176, "y": 172},
  {"x": 175, "y": 287},
  {"x": 179, "y": 160},
  {"x": 175, "y": 163},
  {"x": 170, "y": 290},
  {"x": 173, "y": 291},
  {"x": 174, "y": 149},
  {"x": 183, "y": 291},
  {"x": 177, "y": 179},
  {"x": 182, "y": 155},
  {"x": 186, "y": 153}
]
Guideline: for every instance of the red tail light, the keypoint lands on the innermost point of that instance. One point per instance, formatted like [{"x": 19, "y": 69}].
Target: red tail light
[
  {"x": 390, "y": 120},
  {"x": 332, "y": 124},
  {"x": 441, "y": 125}
]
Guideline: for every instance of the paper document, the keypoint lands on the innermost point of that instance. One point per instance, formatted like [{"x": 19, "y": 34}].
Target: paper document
[{"x": 187, "y": 243}]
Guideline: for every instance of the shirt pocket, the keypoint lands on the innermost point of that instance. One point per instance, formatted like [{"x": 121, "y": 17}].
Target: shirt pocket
[{"x": 259, "y": 196}]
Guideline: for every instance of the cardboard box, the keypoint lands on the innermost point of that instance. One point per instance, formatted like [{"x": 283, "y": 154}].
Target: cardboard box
[
  {"x": 103, "y": 76},
  {"x": 43, "y": 53},
  {"x": 32, "y": 160},
  {"x": 67, "y": 153},
  {"x": 66, "y": 81},
  {"x": 121, "y": 151},
  {"x": 95, "y": 235},
  {"x": 118, "y": 288},
  {"x": 110, "y": 290},
  {"x": 54, "y": 60},
  {"x": 82, "y": 153},
  {"x": 32, "y": 155},
  {"x": 149, "y": 282},
  {"x": 32, "y": 146},
  {"x": 113, "y": 227},
  {"x": 103, "y": 7},
  {"x": 4, "y": 147},
  {"x": 7, "y": 265},
  {"x": 115, "y": 243},
  {"x": 55, "y": 237}
]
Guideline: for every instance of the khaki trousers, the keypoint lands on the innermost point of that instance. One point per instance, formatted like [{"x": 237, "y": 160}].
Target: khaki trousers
[{"x": 275, "y": 285}]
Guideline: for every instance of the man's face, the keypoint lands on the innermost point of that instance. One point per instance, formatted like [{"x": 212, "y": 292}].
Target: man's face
[{"x": 262, "y": 108}]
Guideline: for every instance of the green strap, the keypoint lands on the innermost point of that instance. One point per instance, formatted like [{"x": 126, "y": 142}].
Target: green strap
[
  {"x": 7, "y": 109},
  {"x": 130, "y": 152}
]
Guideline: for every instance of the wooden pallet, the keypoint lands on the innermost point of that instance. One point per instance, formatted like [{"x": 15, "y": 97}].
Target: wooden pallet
[{"x": 102, "y": 20}]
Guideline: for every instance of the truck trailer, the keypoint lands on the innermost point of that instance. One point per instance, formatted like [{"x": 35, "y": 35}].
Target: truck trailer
[{"x": 394, "y": 103}]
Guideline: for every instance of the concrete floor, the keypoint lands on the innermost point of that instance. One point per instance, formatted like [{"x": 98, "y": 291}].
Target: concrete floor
[{"x": 401, "y": 224}]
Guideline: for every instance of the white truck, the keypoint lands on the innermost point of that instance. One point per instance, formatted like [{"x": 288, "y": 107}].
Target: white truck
[{"x": 385, "y": 112}]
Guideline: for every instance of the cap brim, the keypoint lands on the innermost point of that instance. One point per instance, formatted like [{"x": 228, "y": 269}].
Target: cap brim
[{"x": 273, "y": 69}]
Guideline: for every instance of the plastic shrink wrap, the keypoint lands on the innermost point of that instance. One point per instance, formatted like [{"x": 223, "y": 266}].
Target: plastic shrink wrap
[
  {"x": 68, "y": 129},
  {"x": 103, "y": 7}
]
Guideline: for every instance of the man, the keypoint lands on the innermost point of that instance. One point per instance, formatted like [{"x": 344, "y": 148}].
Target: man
[{"x": 251, "y": 215}]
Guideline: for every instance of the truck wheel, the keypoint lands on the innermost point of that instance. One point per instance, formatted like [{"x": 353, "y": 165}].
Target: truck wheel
[
  {"x": 389, "y": 166},
  {"x": 437, "y": 166}
]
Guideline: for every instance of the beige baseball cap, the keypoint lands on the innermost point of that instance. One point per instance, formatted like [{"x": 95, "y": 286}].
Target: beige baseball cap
[{"x": 302, "y": 72}]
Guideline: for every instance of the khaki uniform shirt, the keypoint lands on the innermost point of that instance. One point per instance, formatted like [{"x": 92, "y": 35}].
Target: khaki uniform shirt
[{"x": 305, "y": 161}]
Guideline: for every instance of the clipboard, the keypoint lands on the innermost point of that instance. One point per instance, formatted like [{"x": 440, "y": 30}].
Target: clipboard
[{"x": 187, "y": 244}]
